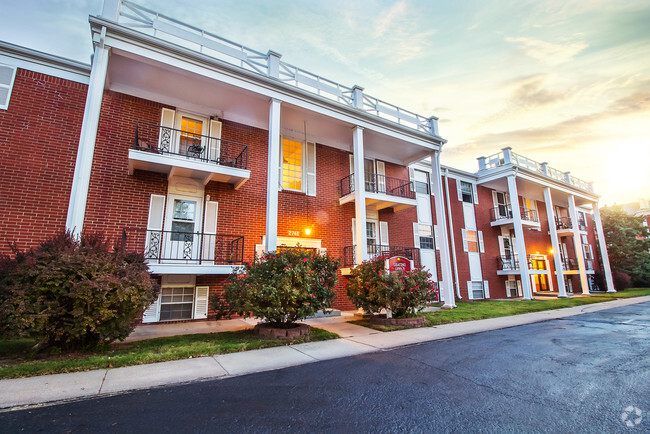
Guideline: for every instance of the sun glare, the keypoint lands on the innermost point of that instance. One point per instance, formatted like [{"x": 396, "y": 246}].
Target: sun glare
[{"x": 627, "y": 178}]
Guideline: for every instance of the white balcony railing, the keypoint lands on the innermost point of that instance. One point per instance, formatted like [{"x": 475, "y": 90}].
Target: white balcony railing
[{"x": 150, "y": 22}]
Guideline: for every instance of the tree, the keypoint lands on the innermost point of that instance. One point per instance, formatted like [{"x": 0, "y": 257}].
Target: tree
[
  {"x": 73, "y": 293},
  {"x": 628, "y": 244}
]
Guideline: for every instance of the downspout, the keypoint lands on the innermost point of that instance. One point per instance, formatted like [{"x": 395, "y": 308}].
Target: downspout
[{"x": 451, "y": 234}]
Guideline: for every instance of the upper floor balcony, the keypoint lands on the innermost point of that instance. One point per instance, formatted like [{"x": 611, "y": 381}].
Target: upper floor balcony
[
  {"x": 381, "y": 191},
  {"x": 178, "y": 252},
  {"x": 502, "y": 215},
  {"x": 507, "y": 157},
  {"x": 179, "y": 152}
]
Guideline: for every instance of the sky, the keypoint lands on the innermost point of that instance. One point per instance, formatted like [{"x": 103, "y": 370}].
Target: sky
[{"x": 560, "y": 81}]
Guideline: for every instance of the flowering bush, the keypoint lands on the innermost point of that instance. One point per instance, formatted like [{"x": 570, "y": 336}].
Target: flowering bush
[
  {"x": 403, "y": 293},
  {"x": 281, "y": 287}
]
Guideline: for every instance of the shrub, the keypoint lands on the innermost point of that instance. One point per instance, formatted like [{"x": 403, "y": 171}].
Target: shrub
[
  {"x": 402, "y": 293},
  {"x": 73, "y": 293},
  {"x": 281, "y": 287}
]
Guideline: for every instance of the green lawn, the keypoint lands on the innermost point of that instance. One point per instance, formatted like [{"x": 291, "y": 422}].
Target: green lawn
[
  {"x": 16, "y": 360},
  {"x": 472, "y": 310}
]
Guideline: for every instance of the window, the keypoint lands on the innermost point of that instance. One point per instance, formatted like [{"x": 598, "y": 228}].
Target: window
[
  {"x": 292, "y": 165},
  {"x": 472, "y": 241},
  {"x": 176, "y": 303},
  {"x": 7, "y": 76},
  {"x": 582, "y": 221},
  {"x": 421, "y": 181},
  {"x": 426, "y": 236},
  {"x": 190, "y": 137},
  {"x": 466, "y": 192},
  {"x": 501, "y": 205},
  {"x": 477, "y": 290},
  {"x": 512, "y": 289},
  {"x": 183, "y": 219}
]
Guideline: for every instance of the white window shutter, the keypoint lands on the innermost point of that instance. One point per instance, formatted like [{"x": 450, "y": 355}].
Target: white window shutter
[
  {"x": 214, "y": 143},
  {"x": 416, "y": 235},
  {"x": 435, "y": 232},
  {"x": 201, "y": 302},
  {"x": 7, "y": 77},
  {"x": 470, "y": 294},
  {"x": 354, "y": 231},
  {"x": 381, "y": 177},
  {"x": 495, "y": 201},
  {"x": 311, "y": 169},
  {"x": 480, "y": 242},
  {"x": 152, "y": 312},
  {"x": 156, "y": 212},
  {"x": 486, "y": 289},
  {"x": 351, "y": 164},
  {"x": 519, "y": 288},
  {"x": 464, "y": 234},
  {"x": 259, "y": 250},
  {"x": 210, "y": 231},
  {"x": 411, "y": 174},
  {"x": 383, "y": 233},
  {"x": 459, "y": 191},
  {"x": 166, "y": 136},
  {"x": 475, "y": 193}
]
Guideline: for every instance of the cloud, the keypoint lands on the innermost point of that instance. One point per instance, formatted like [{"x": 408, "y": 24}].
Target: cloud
[
  {"x": 530, "y": 92},
  {"x": 549, "y": 53},
  {"x": 387, "y": 20}
]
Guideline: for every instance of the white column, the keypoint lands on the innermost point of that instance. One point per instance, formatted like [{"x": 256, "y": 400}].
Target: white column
[
  {"x": 557, "y": 257},
  {"x": 273, "y": 177},
  {"x": 519, "y": 235},
  {"x": 603, "y": 249},
  {"x": 447, "y": 290},
  {"x": 577, "y": 243},
  {"x": 83, "y": 165},
  {"x": 361, "y": 253}
]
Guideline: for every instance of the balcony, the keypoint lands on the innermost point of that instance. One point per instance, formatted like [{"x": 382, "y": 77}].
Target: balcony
[
  {"x": 175, "y": 252},
  {"x": 508, "y": 264},
  {"x": 376, "y": 250},
  {"x": 161, "y": 149},
  {"x": 502, "y": 215},
  {"x": 381, "y": 191}
]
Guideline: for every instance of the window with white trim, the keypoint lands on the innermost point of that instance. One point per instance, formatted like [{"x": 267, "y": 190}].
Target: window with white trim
[
  {"x": 421, "y": 180},
  {"x": 425, "y": 233},
  {"x": 298, "y": 166},
  {"x": 477, "y": 289},
  {"x": 472, "y": 241},
  {"x": 466, "y": 191},
  {"x": 7, "y": 77},
  {"x": 176, "y": 303}
]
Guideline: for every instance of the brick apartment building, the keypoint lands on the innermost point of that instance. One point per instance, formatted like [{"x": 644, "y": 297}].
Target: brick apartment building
[{"x": 202, "y": 153}]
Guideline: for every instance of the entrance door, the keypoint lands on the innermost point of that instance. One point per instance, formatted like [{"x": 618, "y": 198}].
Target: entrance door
[
  {"x": 540, "y": 280},
  {"x": 508, "y": 256},
  {"x": 192, "y": 135},
  {"x": 182, "y": 228},
  {"x": 501, "y": 205}
]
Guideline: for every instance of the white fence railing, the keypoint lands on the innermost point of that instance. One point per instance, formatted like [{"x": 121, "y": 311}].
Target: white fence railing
[{"x": 169, "y": 29}]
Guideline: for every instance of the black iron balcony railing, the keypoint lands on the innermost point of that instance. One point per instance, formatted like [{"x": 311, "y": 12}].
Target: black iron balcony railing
[
  {"x": 507, "y": 263},
  {"x": 503, "y": 212},
  {"x": 375, "y": 183},
  {"x": 377, "y": 250},
  {"x": 569, "y": 264},
  {"x": 563, "y": 223},
  {"x": 174, "y": 247},
  {"x": 170, "y": 141}
]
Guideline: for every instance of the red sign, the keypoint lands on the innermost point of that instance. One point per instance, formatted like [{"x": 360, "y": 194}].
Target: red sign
[{"x": 398, "y": 263}]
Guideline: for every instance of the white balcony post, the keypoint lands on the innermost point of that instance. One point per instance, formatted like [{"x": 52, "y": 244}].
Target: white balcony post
[
  {"x": 544, "y": 168},
  {"x": 557, "y": 257},
  {"x": 447, "y": 283},
  {"x": 577, "y": 243},
  {"x": 603, "y": 249},
  {"x": 111, "y": 9},
  {"x": 361, "y": 242},
  {"x": 86, "y": 150},
  {"x": 273, "y": 63},
  {"x": 481, "y": 164},
  {"x": 433, "y": 125},
  {"x": 519, "y": 235},
  {"x": 357, "y": 96},
  {"x": 507, "y": 155},
  {"x": 273, "y": 177}
]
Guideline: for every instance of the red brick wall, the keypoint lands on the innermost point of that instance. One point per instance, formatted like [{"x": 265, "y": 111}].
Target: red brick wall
[{"x": 39, "y": 136}]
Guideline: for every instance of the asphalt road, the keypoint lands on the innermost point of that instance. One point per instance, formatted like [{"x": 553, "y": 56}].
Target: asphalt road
[{"x": 577, "y": 374}]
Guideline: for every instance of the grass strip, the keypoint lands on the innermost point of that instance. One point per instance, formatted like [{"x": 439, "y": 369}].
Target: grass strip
[
  {"x": 16, "y": 360},
  {"x": 473, "y": 310}
]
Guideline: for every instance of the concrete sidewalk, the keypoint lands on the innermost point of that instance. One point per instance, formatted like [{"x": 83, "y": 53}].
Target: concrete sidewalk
[{"x": 354, "y": 340}]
